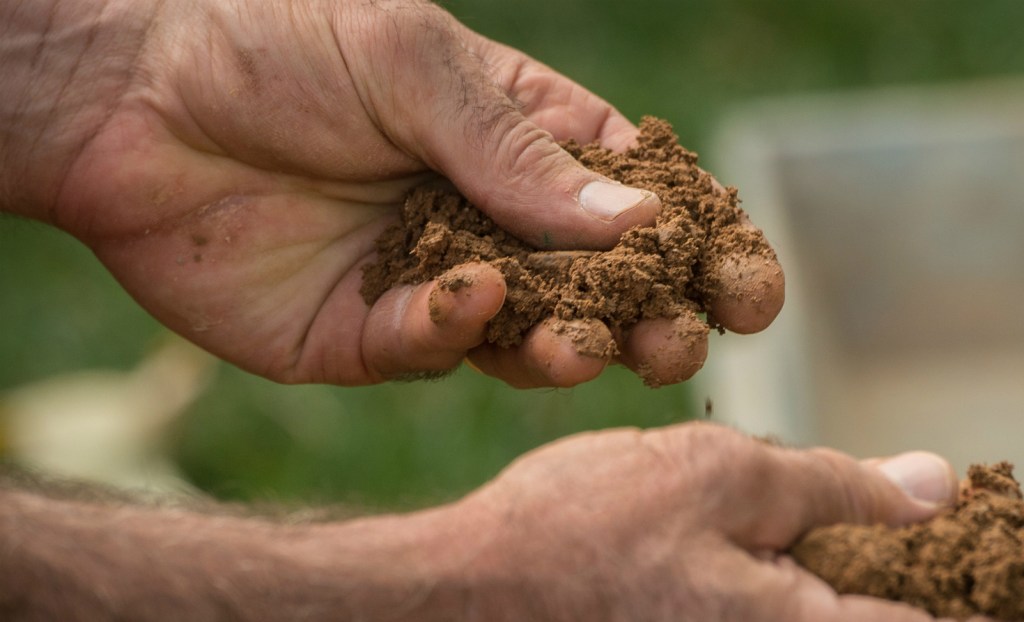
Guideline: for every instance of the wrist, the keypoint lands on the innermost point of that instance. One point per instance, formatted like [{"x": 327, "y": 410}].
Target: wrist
[
  {"x": 66, "y": 64},
  {"x": 432, "y": 565},
  {"x": 422, "y": 566},
  {"x": 553, "y": 558}
]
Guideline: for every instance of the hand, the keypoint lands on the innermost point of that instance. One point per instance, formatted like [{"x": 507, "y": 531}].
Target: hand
[
  {"x": 232, "y": 162},
  {"x": 689, "y": 523}
]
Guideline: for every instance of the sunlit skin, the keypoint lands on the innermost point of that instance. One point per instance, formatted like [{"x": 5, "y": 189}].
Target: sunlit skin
[
  {"x": 232, "y": 163},
  {"x": 687, "y": 523}
]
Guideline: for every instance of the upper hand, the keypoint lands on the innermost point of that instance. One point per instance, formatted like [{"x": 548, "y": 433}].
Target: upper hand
[{"x": 236, "y": 180}]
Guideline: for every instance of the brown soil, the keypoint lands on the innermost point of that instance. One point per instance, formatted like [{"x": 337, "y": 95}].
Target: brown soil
[
  {"x": 653, "y": 272},
  {"x": 967, "y": 561}
]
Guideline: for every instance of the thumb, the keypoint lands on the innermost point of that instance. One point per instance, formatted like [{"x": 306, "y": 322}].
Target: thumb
[
  {"x": 822, "y": 487},
  {"x": 472, "y": 131},
  {"x": 518, "y": 175}
]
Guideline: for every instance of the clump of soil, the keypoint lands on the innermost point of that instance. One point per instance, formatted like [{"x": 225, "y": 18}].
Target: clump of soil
[
  {"x": 967, "y": 561},
  {"x": 653, "y": 272}
]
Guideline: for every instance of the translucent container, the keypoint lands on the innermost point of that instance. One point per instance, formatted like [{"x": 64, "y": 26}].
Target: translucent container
[{"x": 898, "y": 216}]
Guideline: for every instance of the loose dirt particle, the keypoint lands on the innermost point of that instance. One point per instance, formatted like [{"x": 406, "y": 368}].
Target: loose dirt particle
[
  {"x": 966, "y": 561},
  {"x": 665, "y": 271}
]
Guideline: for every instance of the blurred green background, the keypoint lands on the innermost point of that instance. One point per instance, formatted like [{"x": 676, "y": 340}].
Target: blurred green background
[{"x": 407, "y": 445}]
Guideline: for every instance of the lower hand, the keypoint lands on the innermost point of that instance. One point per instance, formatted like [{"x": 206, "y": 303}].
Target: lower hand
[{"x": 690, "y": 523}]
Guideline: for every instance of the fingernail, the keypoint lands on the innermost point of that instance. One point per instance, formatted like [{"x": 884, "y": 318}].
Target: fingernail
[
  {"x": 922, "y": 475},
  {"x": 605, "y": 200}
]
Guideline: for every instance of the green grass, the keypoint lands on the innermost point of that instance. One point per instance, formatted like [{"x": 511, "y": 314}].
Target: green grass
[
  {"x": 689, "y": 60},
  {"x": 60, "y": 309},
  {"x": 397, "y": 445},
  {"x": 411, "y": 444}
]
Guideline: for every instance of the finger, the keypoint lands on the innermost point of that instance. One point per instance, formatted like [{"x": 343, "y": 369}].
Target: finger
[
  {"x": 854, "y": 608},
  {"x": 666, "y": 351},
  {"x": 902, "y": 469},
  {"x": 744, "y": 289},
  {"x": 744, "y": 286},
  {"x": 519, "y": 176},
  {"x": 785, "y": 493},
  {"x": 779, "y": 590},
  {"x": 746, "y": 292},
  {"x": 799, "y": 490},
  {"x": 553, "y": 354},
  {"x": 471, "y": 130},
  {"x": 428, "y": 328}
]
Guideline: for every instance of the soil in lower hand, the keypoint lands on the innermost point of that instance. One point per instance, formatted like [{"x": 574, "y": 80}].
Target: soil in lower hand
[
  {"x": 653, "y": 272},
  {"x": 967, "y": 561}
]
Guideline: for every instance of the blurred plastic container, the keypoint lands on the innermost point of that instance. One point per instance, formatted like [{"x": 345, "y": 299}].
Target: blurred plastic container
[{"x": 898, "y": 216}]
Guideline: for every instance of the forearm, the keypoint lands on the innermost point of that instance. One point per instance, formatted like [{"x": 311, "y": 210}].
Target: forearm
[
  {"x": 64, "y": 65},
  {"x": 73, "y": 560}
]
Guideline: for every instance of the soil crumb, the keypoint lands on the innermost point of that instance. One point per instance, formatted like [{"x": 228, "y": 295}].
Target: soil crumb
[
  {"x": 653, "y": 272},
  {"x": 964, "y": 562}
]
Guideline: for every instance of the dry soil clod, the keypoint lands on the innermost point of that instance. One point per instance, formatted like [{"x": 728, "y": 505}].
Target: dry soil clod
[
  {"x": 965, "y": 562},
  {"x": 671, "y": 270}
]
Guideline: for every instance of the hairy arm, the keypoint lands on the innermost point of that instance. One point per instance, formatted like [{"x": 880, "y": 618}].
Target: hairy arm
[
  {"x": 681, "y": 524},
  {"x": 71, "y": 559}
]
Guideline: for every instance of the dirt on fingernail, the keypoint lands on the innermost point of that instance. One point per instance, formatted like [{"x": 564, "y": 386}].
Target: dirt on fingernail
[
  {"x": 449, "y": 282},
  {"x": 590, "y": 339},
  {"x": 453, "y": 282},
  {"x": 965, "y": 562},
  {"x": 653, "y": 272}
]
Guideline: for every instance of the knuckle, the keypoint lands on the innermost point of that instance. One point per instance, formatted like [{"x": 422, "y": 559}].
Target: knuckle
[
  {"x": 856, "y": 500},
  {"x": 708, "y": 452},
  {"x": 526, "y": 148}
]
